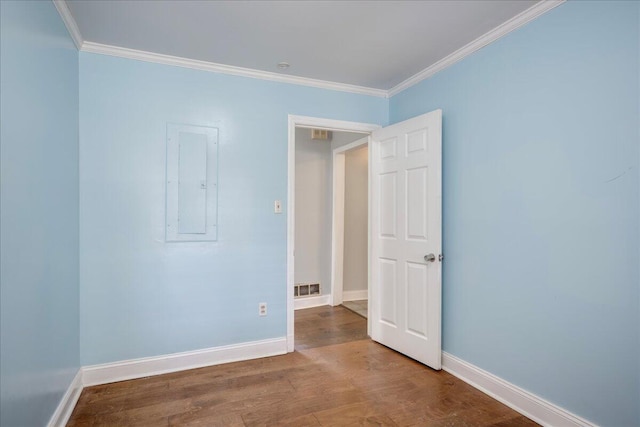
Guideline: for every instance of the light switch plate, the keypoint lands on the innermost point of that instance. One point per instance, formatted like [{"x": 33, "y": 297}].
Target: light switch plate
[{"x": 277, "y": 207}]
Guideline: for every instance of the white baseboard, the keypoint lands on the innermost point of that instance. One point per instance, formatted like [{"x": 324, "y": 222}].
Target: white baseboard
[
  {"x": 355, "y": 295},
  {"x": 308, "y": 302},
  {"x": 67, "y": 403},
  {"x": 148, "y": 366},
  {"x": 526, "y": 403}
]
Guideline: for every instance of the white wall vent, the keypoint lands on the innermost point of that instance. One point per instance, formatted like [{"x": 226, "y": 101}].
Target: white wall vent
[
  {"x": 321, "y": 134},
  {"x": 302, "y": 290}
]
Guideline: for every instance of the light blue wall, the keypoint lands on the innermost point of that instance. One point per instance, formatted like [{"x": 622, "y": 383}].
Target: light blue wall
[
  {"x": 541, "y": 217},
  {"x": 141, "y": 296},
  {"x": 39, "y": 345}
]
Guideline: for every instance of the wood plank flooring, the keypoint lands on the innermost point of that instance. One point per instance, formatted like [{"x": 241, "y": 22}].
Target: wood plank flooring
[{"x": 336, "y": 377}]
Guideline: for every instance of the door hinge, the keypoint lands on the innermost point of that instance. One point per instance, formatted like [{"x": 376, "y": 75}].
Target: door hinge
[{"x": 440, "y": 257}]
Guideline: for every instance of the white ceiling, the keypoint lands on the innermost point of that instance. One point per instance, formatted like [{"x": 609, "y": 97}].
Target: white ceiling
[{"x": 376, "y": 44}]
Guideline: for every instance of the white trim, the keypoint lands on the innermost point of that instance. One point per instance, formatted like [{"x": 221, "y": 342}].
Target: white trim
[
  {"x": 69, "y": 22},
  {"x": 291, "y": 221},
  {"x": 309, "y": 302},
  {"x": 528, "y": 404},
  {"x": 159, "y": 58},
  {"x": 68, "y": 402},
  {"x": 500, "y": 31},
  {"x": 144, "y": 367},
  {"x": 337, "y": 226},
  {"x": 350, "y": 146},
  {"x": 293, "y": 122},
  {"x": 330, "y": 124},
  {"x": 370, "y": 299},
  {"x": 355, "y": 295}
]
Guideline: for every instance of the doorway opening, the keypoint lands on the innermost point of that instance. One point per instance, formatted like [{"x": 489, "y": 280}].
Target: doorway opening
[
  {"x": 350, "y": 227},
  {"x": 312, "y": 262},
  {"x": 404, "y": 230}
]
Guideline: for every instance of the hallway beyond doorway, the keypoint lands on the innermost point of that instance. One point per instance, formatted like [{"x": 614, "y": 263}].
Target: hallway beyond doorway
[{"x": 360, "y": 307}]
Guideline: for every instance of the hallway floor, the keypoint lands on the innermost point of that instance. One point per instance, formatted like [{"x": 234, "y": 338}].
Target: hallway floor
[
  {"x": 336, "y": 376},
  {"x": 360, "y": 307}
]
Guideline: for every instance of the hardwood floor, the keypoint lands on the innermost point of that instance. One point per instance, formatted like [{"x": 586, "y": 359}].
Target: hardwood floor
[{"x": 336, "y": 377}]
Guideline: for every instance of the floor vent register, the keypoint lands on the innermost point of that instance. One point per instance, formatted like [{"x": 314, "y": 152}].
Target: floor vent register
[{"x": 302, "y": 290}]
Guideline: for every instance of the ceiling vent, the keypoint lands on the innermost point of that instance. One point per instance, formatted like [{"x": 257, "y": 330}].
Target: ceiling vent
[{"x": 321, "y": 134}]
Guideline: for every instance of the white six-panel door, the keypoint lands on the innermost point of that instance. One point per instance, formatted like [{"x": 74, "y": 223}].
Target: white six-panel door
[{"x": 406, "y": 229}]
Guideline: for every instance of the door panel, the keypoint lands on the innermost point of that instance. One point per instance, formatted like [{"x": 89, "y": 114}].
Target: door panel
[
  {"x": 388, "y": 205},
  {"x": 406, "y": 209},
  {"x": 417, "y": 298},
  {"x": 388, "y": 285},
  {"x": 388, "y": 149},
  {"x": 416, "y": 206}
]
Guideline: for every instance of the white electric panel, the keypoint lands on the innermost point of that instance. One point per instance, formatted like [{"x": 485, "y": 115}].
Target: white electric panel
[{"x": 192, "y": 183}]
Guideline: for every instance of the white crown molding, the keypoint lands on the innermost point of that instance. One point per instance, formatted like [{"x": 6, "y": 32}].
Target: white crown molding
[
  {"x": 528, "y": 404},
  {"x": 227, "y": 69},
  {"x": 67, "y": 403},
  {"x": 148, "y": 366},
  {"x": 482, "y": 41},
  {"x": 69, "y": 22},
  {"x": 500, "y": 31}
]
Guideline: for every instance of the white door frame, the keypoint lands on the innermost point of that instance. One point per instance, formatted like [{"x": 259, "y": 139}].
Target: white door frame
[
  {"x": 306, "y": 122},
  {"x": 337, "y": 218}
]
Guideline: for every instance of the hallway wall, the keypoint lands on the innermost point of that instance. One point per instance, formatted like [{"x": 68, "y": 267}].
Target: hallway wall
[
  {"x": 356, "y": 212},
  {"x": 314, "y": 204}
]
